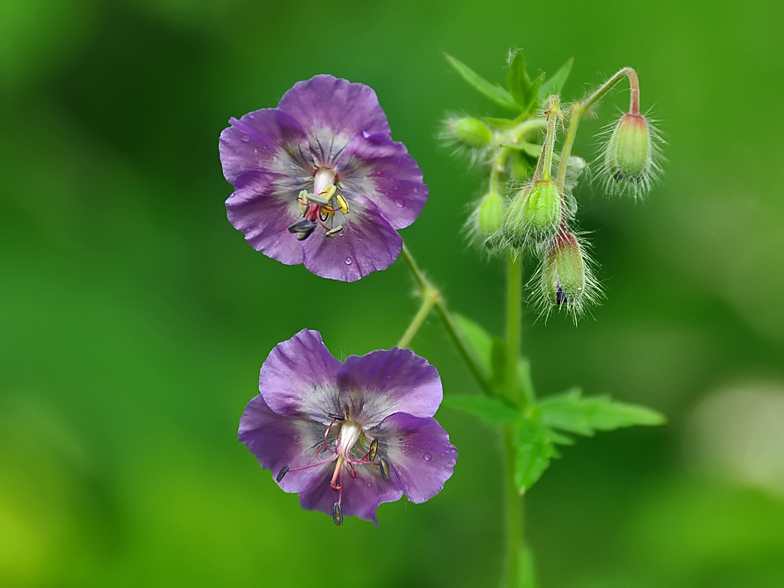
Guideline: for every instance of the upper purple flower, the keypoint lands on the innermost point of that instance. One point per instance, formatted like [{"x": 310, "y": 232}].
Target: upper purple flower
[
  {"x": 348, "y": 436},
  {"x": 319, "y": 180}
]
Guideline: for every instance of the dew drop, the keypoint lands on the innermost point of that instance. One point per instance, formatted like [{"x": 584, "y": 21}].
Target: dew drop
[
  {"x": 349, "y": 261},
  {"x": 427, "y": 457},
  {"x": 255, "y": 151},
  {"x": 399, "y": 202},
  {"x": 245, "y": 138}
]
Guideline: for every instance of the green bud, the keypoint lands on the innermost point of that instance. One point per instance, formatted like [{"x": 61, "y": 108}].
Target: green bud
[
  {"x": 490, "y": 214},
  {"x": 471, "y": 132},
  {"x": 566, "y": 278},
  {"x": 629, "y": 157},
  {"x": 542, "y": 212}
]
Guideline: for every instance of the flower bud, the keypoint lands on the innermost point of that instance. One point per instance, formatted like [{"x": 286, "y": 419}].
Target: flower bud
[
  {"x": 490, "y": 214},
  {"x": 470, "y": 132},
  {"x": 629, "y": 156},
  {"x": 534, "y": 215},
  {"x": 566, "y": 277}
]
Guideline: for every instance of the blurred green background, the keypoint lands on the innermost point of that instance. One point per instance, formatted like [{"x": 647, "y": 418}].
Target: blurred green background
[{"x": 134, "y": 318}]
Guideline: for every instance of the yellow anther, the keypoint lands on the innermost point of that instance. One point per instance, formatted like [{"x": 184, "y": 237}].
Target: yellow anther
[
  {"x": 342, "y": 204},
  {"x": 302, "y": 201},
  {"x": 328, "y": 192},
  {"x": 328, "y": 212}
]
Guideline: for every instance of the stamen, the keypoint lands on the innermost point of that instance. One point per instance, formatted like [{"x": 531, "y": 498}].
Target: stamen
[
  {"x": 283, "y": 471},
  {"x": 337, "y": 514},
  {"x": 318, "y": 199},
  {"x": 342, "y": 204},
  {"x": 373, "y": 448},
  {"x": 384, "y": 466},
  {"x": 303, "y": 228},
  {"x": 337, "y": 417},
  {"x": 329, "y": 192},
  {"x": 335, "y": 231}
]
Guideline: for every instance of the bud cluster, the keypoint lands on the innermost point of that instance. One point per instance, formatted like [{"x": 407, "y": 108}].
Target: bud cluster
[{"x": 529, "y": 206}]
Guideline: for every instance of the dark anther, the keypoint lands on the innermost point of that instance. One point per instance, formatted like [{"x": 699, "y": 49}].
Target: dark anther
[
  {"x": 560, "y": 295},
  {"x": 337, "y": 417},
  {"x": 283, "y": 471},
  {"x": 335, "y": 231},
  {"x": 304, "y": 228},
  {"x": 384, "y": 468},
  {"x": 337, "y": 514}
]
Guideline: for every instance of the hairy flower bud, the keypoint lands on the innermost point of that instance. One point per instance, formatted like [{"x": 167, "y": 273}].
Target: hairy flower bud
[
  {"x": 469, "y": 132},
  {"x": 566, "y": 279},
  {"x": 534, "y": 215},
  {"x": 629, "y": 159},
  {"x": 490, "y": 214}
]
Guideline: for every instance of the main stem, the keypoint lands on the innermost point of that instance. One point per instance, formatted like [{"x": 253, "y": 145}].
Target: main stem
[{"x": 512, "y": 389}]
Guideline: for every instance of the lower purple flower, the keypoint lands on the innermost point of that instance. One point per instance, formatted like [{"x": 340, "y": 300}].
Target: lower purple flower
[{"x": 348, "y": 436}]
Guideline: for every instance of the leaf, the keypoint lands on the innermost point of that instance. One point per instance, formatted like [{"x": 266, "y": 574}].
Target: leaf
[
  {"x": 534, "y": 452},
  {"x": 500, "y": 123},
  {"x": 490, "y": 410},
  {"x": 495, "y": 92},
  {"x": 555, "y": 84},
  {"x": 519, "y": 83},
  {"x": 478, "y": 342},
  {"x": 572, "y": 413}
]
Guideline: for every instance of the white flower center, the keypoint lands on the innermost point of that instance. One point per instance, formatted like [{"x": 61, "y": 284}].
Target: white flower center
[{"x": 347, "y": 438}]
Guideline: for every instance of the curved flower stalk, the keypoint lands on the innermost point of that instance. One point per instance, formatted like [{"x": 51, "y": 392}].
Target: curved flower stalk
[
  {"x": 348, "y": 436},
  {"x": 319, "y": 180}
]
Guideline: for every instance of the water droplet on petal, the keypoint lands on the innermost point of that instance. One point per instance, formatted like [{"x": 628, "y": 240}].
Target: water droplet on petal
[
  {"x": 349, "y": 261},
  {"x": 399, "y": 202},
  {"x": 255, "y": 150},
  {"x": 427, "y": 457},
  {"x": 245, "y": 138}
]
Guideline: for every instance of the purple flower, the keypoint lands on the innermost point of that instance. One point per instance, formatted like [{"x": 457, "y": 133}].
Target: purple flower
[
  {"x": 319, "y": 180},
  {"x": 348, "y": 436}
]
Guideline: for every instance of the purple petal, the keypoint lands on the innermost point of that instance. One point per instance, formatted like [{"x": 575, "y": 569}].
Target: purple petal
[
  {"x": 298, "y": 379},
  {"x": 383, "y": 171},
  {"x": 368, "y": 243},
  {"x": 385, "y": 382},
  {"x": 418, "y": 452},
  {"x": 361, "y": 495},
  {"x": 332, "y": 111},
  {"x": 278, "y": 441},
  {"x": 263, "y": 206},
  {"x": 265, "y": 140}
]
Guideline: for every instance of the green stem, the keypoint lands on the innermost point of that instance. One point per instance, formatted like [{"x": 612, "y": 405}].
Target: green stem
[
  {"x": 514, "y": 326},
  {"x": 581, "y": 107},
  {"x": 514, "y": 514},
  {"x": 429, "y": 298},
  {"x": 449, "y": 322}
]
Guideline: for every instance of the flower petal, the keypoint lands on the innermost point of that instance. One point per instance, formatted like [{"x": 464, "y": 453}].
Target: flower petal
[
  {"x": 418, "y": 452},
  {"x": 361, "y": 495},
  {"x": 278, "y": 441},
  {"x": 298, "y": 379},
  {"x": 262, "y": 207},
  {"x": 368, "y": 243},
  {"x": 381, "y": 383},
  {"x": 332, "y": 111},
  {"x": 265, "y": 140},
  {"x": 383, "y": 171}
]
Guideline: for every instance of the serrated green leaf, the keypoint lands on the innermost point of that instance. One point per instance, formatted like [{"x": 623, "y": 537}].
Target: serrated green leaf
[
  {"x": 490, "y": 410},
  {"x": 555, "y": 83},
  {"x": 494, "y": 92},
  {"x": 572, "y": 413},
  {"x": 534, "y": 451},
  {"x": 519, "y": 83}
]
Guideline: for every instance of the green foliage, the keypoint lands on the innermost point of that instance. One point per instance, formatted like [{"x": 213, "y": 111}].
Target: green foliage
[
  {"x": 555, "y": 83},
  {"x": 478, "y": 342},
  {"x": 492, "y": 91},
  {"x": 572, "y": 413},
  {"x": 535, "y": 449},
  {"x": 490, "y": 410},
  {"x": 523, "y": 90}
]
